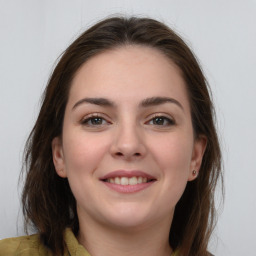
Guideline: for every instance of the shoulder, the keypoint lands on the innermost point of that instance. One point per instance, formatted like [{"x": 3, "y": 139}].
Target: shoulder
[{"x": 23, "y": 246}]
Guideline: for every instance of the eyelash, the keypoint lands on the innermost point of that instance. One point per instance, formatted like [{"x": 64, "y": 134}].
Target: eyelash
[
  {"x": 88, "y": 119},
  {"x": 165, "y": 121}
]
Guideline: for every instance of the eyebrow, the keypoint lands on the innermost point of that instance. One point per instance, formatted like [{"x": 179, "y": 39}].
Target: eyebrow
[
  {"x": 96, "y": 101},
  {"x": 153, "y": 101},
  {"x": 148, "y": 102}
]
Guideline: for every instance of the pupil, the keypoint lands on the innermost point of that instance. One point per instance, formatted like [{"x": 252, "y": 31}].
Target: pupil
[
  {"x": 159, "y": 120},
  {"x": 96, "y": 120}
]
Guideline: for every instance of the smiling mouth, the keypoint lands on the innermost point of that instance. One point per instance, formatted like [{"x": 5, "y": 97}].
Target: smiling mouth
[{"x": 128, "y": 181}]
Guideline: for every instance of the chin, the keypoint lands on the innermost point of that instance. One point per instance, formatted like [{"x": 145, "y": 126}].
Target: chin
[{"x": 129, "y": 218}]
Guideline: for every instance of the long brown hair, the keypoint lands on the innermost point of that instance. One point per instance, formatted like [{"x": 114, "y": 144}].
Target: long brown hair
[{"x": 48, "y": 203}]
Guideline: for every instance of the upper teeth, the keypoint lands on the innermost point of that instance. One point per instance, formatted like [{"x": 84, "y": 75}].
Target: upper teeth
[{"x": 127, "y": 181}]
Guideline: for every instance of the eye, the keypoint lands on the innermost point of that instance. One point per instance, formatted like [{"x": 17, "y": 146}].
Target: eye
[
  {"x": 161, "y": 121},
  {"x": 94, "y": 120}
]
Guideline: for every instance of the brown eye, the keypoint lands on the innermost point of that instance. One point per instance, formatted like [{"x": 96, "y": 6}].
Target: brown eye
[
  {"x": 94, "y": 121},
  {"x": 161, "y": 121}
]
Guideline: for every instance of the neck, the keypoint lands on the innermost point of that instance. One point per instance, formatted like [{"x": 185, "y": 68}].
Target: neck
[{"x": 100, "y": 239}]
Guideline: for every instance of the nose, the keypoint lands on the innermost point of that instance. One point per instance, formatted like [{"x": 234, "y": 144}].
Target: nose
[{"x": 128, "y": 143}]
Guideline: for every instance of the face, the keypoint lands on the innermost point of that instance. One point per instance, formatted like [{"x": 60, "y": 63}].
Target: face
[{"x": 127, "y": 147}]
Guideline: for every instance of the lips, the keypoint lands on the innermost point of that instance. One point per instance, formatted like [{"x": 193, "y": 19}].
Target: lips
[
  {"x": 128, "y": 174},
  {"x": 128, "y": 181}
]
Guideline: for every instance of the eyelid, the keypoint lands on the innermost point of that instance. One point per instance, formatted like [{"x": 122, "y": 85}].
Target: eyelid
[
  {"x": 163, "y": 115},
  {"x": 94, "y": 115}
]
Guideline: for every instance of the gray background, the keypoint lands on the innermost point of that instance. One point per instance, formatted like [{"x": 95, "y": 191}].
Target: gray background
[{"x": 222, "y": 33}]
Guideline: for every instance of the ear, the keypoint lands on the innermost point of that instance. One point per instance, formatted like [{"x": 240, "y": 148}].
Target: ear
[
  {"x": 197, "y": 156},
  {"x": 58, "y": 157}
]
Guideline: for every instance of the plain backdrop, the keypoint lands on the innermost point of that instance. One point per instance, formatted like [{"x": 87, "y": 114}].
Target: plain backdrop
[{"x": 222, "y": 33}]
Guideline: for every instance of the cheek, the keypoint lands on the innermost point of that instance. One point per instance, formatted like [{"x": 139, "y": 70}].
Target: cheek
[
  {"x": 173, "y": 154},
  {"x": 83, "y": 152}
]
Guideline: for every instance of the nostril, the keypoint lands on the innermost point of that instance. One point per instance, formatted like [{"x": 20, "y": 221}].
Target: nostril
[{"x": 121, "y": 154}]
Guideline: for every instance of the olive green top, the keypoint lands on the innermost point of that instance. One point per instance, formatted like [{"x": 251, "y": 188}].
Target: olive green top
[{"x": 31, "y": 245}]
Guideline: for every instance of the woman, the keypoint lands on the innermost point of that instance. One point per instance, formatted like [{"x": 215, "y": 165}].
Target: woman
[{"x": 124, "y": 156}]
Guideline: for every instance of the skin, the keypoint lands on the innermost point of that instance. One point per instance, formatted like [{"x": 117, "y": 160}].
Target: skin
[{"x": 128, "y": 136}]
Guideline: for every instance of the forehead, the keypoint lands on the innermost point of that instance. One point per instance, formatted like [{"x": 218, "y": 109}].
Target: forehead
[{"x": 128, "y": 72}]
